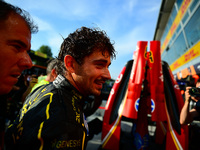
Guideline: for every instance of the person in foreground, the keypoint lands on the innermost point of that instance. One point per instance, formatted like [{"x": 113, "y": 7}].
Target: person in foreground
[
  {"x": 52, "y": 117},
  {"x": 186, "y": 115},
  {"x": 15, "y": 41}
]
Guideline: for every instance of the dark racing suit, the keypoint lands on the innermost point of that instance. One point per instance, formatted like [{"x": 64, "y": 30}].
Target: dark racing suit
[{"x": 51, "y": 118}]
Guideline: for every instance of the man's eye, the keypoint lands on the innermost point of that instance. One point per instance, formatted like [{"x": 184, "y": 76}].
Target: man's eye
[
  {"x": 100, "y": 65},
  {"x": 17, "y": 47}
]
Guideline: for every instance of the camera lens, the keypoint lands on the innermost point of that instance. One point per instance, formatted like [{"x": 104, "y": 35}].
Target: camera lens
[{"x": 195, "y": 92}]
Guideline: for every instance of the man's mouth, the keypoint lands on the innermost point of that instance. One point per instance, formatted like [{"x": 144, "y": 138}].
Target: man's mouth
[
  {"x": 16, "y": 75},
  {"x": 100, "y": 84}
]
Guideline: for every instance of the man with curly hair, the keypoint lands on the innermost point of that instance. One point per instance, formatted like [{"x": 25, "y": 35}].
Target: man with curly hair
[{"x": 52, "y": 117}]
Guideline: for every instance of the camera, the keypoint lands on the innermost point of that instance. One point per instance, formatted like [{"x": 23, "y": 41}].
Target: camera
[{"x": 195, "y": 92}]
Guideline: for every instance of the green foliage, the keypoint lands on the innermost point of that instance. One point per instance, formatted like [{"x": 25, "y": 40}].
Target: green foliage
[{"x": 46, "y": 50}]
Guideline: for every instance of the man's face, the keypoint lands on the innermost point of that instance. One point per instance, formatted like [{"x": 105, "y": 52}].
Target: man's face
[
  {"x": 15, "y": 38},
  {"x": 90, "y": 76}
]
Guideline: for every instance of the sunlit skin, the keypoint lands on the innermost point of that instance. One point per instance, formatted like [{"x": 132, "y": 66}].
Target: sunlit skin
[
  {"x": 198, "y": 85},
  {"x": 89, "y": 77},
  {"x": 187, "y": 116},
  {"x": 15, "y": 42}
]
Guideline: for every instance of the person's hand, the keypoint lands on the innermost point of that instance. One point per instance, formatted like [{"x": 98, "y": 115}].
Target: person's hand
[
  {"x": 195, "y": 98},
  {"x": 187, "y": 95}
]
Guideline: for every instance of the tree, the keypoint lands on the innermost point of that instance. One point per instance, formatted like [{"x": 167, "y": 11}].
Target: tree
[{"x": 46, "y": 50}]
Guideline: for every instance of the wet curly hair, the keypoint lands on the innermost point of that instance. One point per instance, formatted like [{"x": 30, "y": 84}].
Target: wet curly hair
[
  {"x": 83, "y": 42},
  {"x": 7, "y": 9}
]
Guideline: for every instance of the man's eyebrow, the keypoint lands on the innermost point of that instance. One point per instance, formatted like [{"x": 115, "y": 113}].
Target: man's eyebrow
[
  {"x": 102, "y": 60},
  {"x": 19, "y": 42}
]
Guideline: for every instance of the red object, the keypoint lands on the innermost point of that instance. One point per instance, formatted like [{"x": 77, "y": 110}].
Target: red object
[
  {"x": 100, "y": 107},
  {"x": 196, "y": 77},
  {"x": 178, "y": 141},
  {"x": 136, "y": 81},
  {"x": 156, "y": 83},
  {"x": 147, "y": 91},
  {"x": 111, "y": 131}
]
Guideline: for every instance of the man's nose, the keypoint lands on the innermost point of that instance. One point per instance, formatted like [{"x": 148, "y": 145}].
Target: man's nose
[
  {"x": 25, "y": 61},
  {"x": 107, "y": 74}
]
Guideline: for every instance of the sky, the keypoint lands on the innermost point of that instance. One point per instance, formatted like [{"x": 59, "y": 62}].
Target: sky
[{"x": 125, "y": 21}]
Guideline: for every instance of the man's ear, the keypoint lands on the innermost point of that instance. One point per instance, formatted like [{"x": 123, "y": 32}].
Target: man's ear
[
  {"x": 69, "y": 63},
  {"x": 53, "y": 73}
]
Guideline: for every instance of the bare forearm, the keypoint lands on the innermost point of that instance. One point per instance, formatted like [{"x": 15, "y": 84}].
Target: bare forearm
[{"x": 185, "y": 117}]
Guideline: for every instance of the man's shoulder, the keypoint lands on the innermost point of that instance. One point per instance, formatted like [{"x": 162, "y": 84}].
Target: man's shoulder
[
  {"x": 42, "y": 92},
  {"x": 39, "y": 99},
  {"x": 59, "y": 81},
  {"x": 42, "y": 82}
]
